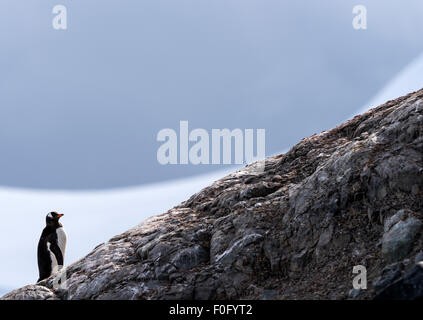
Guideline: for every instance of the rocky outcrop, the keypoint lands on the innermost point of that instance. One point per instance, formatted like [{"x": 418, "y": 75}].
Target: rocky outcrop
[
  {"x": 399, "y": 234},
  {"x": 342, "y": 198},
  {"x": 408, "y": 287}
]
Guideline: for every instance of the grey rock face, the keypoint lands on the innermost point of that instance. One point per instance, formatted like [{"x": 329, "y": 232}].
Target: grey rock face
[
  {"x": 399, "y": 236},
  {"x": 388, "y": 276},
  {"x": 409, "y": 287},
  {"x": 419, "y": 257},
  {"x": 31, "y": 292},
  {"x": 294, "y": 231},
  {"x": 354, "y": 293}
]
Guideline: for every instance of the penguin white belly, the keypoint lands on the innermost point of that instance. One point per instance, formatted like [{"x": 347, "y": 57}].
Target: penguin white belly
[{"x": 61, "y": 240}]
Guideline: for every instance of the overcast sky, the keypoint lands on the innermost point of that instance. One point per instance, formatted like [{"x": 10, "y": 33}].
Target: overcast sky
[{"x": 81, "y": 108}]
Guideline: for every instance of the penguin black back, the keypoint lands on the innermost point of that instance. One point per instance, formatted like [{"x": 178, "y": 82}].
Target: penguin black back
[{"x": 51, "y": 247}]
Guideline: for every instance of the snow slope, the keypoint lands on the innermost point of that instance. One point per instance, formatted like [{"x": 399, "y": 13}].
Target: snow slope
[
  {"x": 91, "y": 218},
  {"x": 408, "y": 80}
]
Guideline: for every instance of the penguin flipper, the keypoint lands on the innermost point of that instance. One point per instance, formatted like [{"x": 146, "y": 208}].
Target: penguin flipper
[{"x": 56, "y": 251}]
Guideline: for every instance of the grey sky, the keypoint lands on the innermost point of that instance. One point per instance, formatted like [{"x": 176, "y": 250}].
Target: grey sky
[{"x": 81, "y": 108}]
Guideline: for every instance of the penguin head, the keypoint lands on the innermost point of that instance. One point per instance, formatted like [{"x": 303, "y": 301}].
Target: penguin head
[{"x": 52, "y": 219}]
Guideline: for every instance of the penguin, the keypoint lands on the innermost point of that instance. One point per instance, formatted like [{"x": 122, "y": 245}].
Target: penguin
[{"x": 51, "y": 247}]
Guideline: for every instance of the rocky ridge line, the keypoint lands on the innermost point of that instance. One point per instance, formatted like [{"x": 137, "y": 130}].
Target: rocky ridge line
[{"x": 349, "y": 196}]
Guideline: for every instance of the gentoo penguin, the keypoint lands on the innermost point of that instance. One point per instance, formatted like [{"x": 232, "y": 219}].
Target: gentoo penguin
[{"x": 51, "y": 247}]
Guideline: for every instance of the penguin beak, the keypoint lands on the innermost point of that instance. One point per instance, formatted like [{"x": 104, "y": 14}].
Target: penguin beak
[{"x": 60, "y": 215}]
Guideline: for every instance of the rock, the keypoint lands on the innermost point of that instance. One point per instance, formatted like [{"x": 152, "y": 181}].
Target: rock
[
  {"x": 268, "y": 295},
  {"x": 354, "y": 293},
  {"x": 188, "y": 258},
  {"x": 218, "y": 243},
  {"x": 298, "y": 261},
  {"x": 390, "y": 222},
  {"x": 292, "y": 231},
  {"x": 409, "y": 287},
  {"x": 30, "y": 292},
  {"x": 398, "y": 239},
  {"x": 259, "y": 190},
  {"x": 232, "y": 253},
  {"x": 325, "y": 237},
  {"x": 388, "y": 276},
  {"x": 419, "y": 257}
]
